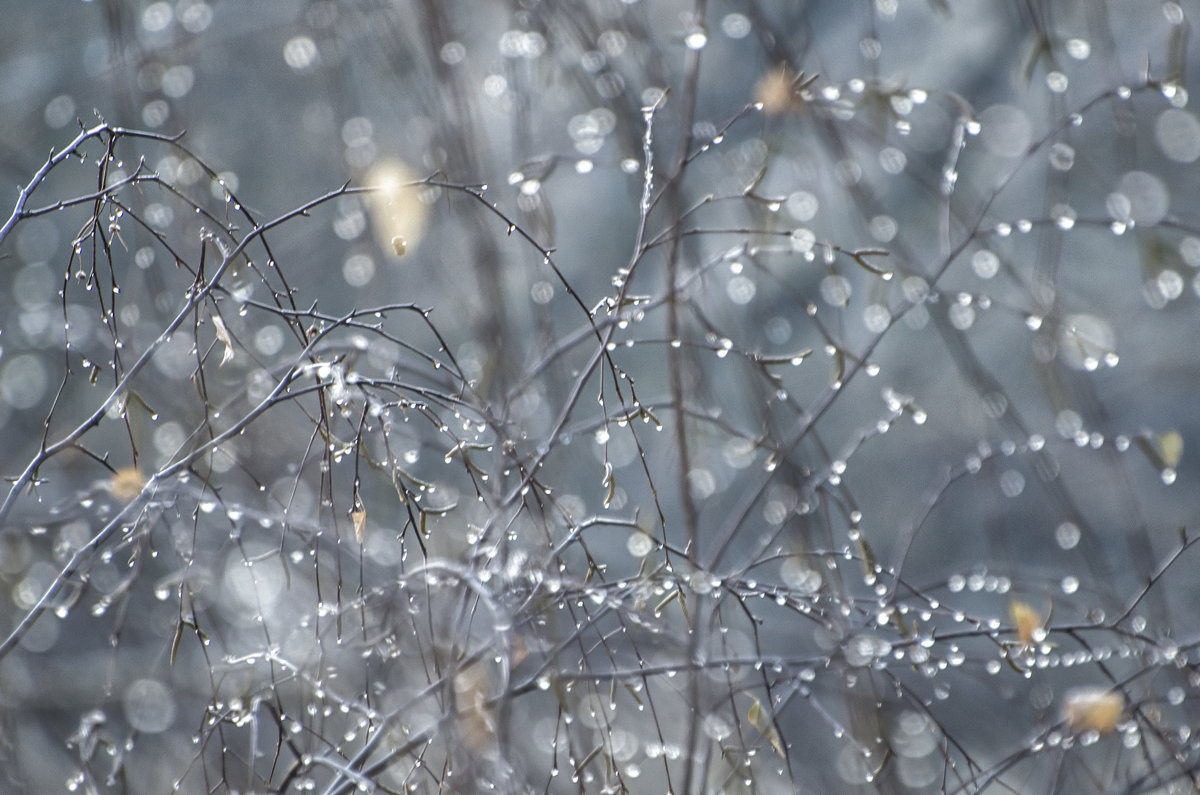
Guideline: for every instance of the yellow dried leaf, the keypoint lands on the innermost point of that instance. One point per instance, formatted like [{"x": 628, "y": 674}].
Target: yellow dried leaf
[
  {"x": 126, "y": 483},
  {"x": 1026, "y": 621},
  {"x": 223, "y": 335},
  {"x": 1170, "y": 447},
  {"x": 477, "y": 720},
  {"x": 776, "y": 91},
  {"x": 760, "y": 720},
  {"x": 398, "y": 215},
  {"x": 518, "y": 651},
  {"x": 359, "y": 518},
  {"x": 1092, "y": 709}
]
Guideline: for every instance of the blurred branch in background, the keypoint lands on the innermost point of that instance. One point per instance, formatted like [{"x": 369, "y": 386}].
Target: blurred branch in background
[{"x": 613, "y": 397}]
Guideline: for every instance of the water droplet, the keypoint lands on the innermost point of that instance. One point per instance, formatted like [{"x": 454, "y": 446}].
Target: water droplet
[
  {"x": 696, "y": 39},
  {"x": 1062, "y": 156},
  {"x": 1064, "y": 216},
  {"x": 985, "y": 264}
]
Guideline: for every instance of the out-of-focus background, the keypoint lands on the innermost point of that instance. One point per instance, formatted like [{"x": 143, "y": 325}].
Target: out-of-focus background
[{"x": 718, "y": 396}]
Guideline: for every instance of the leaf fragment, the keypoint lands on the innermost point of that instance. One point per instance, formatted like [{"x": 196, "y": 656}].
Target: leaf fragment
[
  {"x": 610, "y": 484},
  {"x": 222, "y": 333},
  {"x": 126, "y": 483},
  {"x": 1026, "y": 621},
  {"x": 759, "y": 719},
  {"x": 1170, "y": 447},
  {"x": 359, "y": 518},
  {"x": 1092, "y": 709}
]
